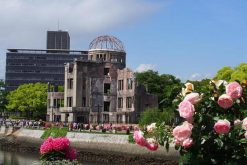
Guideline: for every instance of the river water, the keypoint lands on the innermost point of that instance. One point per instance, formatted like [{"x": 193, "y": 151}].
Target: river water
[{"x": 18, "y": 158}]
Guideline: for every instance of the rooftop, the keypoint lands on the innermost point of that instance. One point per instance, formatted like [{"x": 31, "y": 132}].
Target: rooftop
[
  {"x": 45, "y": 51},
  {"x": 107, "y": 43}
]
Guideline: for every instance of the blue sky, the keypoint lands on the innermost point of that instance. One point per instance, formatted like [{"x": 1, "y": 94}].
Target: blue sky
[{"x": 190, "y": 39}]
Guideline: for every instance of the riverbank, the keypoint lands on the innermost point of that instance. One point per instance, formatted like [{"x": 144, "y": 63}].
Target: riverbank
[{"x": 96, "y": 149}]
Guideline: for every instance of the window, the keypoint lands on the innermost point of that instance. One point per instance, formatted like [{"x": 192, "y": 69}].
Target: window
[
  {"x": 54, "y": 102},
  {"x": 83, "y": 83},
  {"x": 70, "y": 83},
  {"x": 120, "y": 102},
  {"x": 106, "y": 71},
  {"x": 49, "y": 103},
  {"x": 106, "y": 106},
  {"x": 66, "y": 117},
  {"x": 120, "y": 85},
  {"x": 107, "y": 88},
  {"x": 130, "y": 83},
  {"x": 119, "y": 118},
  {"x": 69, "y": 101},
  {"x": 83, "y": 101},
  {"x": 129, "y": 102},
  {"x": 58, "y": 103},
  {"x": 62, "y": 102}
]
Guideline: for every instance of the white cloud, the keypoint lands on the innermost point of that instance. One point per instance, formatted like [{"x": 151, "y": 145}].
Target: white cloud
[
  {"x": 145, "y": 67},
  {"x": 24, "y": 22},
  {"x": 198, "y": 76}
]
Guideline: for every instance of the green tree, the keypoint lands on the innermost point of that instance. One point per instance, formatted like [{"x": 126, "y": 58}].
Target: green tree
[
  {"x": 29, "y": 98},
  {"x": 240, "y": 73},
  {"x": 232, "y": 74},
  {"x": 154, "y": 115},
  {"x": 165, "y": 86},
  {"x": 224, "y": 73},
  {"x": 3, "y": 94}
]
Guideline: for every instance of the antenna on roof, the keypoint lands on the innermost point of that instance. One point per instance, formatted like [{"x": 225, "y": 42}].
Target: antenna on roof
[{"x": 58, "y": 25}]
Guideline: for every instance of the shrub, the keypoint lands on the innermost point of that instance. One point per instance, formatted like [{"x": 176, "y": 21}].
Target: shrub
[
  {"x": 57, "y": 149},
  {"x": 131, "y": 139},
  {"x": 152, "y": 115},
  {"x": 214, "y": 127},
  {"x": 54, "y": 132},
  {"x": 17, "y": 117}
]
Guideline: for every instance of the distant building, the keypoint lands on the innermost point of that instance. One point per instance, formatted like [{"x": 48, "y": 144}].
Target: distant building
[
  {"x": 37, "y": 65},
  {"x": 58, "y": 40},
  {"x": 100, "y": 89}
]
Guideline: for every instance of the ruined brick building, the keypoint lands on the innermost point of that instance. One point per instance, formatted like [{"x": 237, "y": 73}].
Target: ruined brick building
[{"x": 100, "y": 89}]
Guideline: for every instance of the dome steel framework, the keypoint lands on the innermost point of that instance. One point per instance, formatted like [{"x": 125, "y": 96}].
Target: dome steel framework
[{"x": 108, "y": 43}]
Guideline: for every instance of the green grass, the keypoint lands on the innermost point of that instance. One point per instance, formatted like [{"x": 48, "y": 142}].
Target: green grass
[
  {"x": 54, "y": 132},
  {"x": 131, "y": 139}
]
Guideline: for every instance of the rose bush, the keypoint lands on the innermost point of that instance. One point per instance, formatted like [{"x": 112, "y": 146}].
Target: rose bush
[
  {"x": 214, "y": 124},
  {"x": 57, "y": 149}
]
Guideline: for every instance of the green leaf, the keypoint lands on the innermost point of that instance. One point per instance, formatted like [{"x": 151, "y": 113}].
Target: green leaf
[{"x": 243, "y": 140}]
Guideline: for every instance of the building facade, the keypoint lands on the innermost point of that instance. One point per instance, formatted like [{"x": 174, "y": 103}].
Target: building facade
[
  {"x": 31, "y": 66},
  {"x": 41, "y": 65},
  {"x": 58, "y": 40},
  {"x": 100, "y": 89}
]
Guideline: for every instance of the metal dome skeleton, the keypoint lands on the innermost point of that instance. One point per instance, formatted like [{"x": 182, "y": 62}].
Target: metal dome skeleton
[{"x": 108, "y": 43}]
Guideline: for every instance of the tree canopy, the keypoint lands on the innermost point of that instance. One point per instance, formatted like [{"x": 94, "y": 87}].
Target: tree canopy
[
  {"x": 165, "y": 86},
  {"x": 3, "y": 94},
  {"x": 29, "y": 98},
  {"x": 154, "y": 115},
  {"x": 227, "y": 73}
]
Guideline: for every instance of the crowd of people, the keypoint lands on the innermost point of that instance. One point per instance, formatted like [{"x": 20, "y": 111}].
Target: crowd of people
[
  {"x": 22, "y": 123},
  {"x": 72, "y": 126}
]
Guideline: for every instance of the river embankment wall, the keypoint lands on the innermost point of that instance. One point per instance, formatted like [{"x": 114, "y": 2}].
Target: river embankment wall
[{"x": 92, "y": 146}]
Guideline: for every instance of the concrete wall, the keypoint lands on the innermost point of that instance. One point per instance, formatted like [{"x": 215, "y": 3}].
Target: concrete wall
[{"x": 97, "y": 138}]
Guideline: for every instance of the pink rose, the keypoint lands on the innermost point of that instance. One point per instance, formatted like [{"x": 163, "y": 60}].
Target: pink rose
[
  {"x": 237, "y": 122},
  {"x": 183, "y": 131},
  {"x": 139, "y": 138},
  {"x": 46, "y": 146},
  {"x": 225, "y": 101},
  {"x": 152, "y": 144},
  {"x": 222, "y": 126},
  {"x": 193, "y": 98},
  {"x": 60, "y": 144},
  {"x": 186, "y": 109},
  {"x": 244, "y": 124},
  {"x": 187, "y": 143},
  {"x": 70, "y": 154},
  {"x": 177, "y": 142},
  {"x": 234, "y": 90}
]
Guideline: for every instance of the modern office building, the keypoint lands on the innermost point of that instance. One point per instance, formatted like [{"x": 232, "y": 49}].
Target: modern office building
[
  {"x": 100, "y": 89},
  {"x": 40, "y": 65},
  {"x": 58, "y": 40}
]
